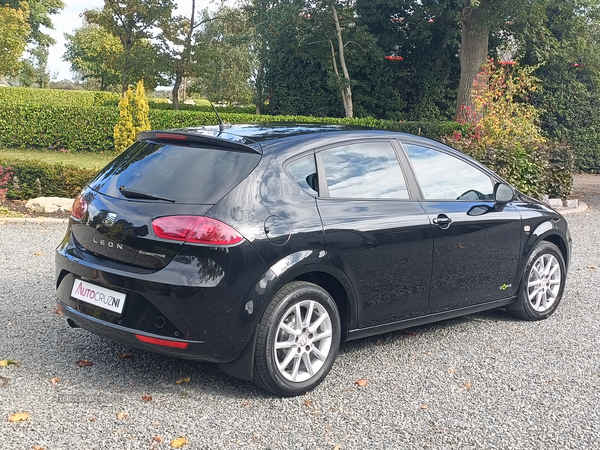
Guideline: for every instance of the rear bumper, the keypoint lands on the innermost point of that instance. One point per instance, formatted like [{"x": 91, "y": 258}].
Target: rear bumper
[
  {"x": 215, "y": 318},
  {"x": 127, "y": 336}
]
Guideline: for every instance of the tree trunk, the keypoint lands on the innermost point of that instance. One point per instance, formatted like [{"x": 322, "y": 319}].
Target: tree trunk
[
  {"x": 176, "y": 86},
  {"x": 259, "y": 96},
  {"x": 185, "y": 56},
  {"x": 346, "y": 89},
  {"x": 473, "y": 54}
]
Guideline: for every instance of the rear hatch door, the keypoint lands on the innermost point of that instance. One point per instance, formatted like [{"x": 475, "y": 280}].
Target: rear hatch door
[{"x": 154, "y": 179}]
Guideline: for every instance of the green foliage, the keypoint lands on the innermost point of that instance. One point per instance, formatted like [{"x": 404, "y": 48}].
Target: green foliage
[
  {"x": 39, "y": 18},
  {"x": 13, "y": 37},
  {"x": 6, "y": 174},
  {"x": 57, "y": 127},
  {"x": 133, "y": 117},
  {"x": 133, "y": 22},
  {"x": 502, "y": 133},
  {"x": 124, "y": 134},
  {"x": 95, "y": 53},
  {"x": 56, "y": 97},
  {"x": 33, "y": 178}
]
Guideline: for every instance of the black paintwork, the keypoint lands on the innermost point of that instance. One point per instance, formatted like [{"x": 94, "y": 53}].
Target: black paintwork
[{"x": 386, "y": 263}]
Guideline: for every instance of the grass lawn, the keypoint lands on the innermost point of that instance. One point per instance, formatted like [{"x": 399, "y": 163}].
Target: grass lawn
[{"x": 85, "y": 160}]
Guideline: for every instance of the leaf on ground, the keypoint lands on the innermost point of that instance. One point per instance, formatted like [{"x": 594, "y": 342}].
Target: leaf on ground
[
  {"x": 410, "y": 333},
  {"x": 157, "y": 439},
  {"x": 183, "y": 380},
  {"x": 38, "y": 447},
  {"x": 337, "y": 447},
  {"x": 54, "y": 381},
  {"x": 591, "y": 266},
  {"x": 121, "y": 415},
  {"x": 93, "y": 419},
  {"x": 361, "y": 382},
  {"x": 147, "y": 398},
  {"x": 84, "y": 363},
  {"x": 155, "y": 424},
  {"x": 179, "y": 442},
  {"x": 424, "y": 407},
  {"x": 9, "y": 362},
  {"x": 19, "y": 417},
  {"x": 58, "y": 311},
  {"x": 38, "y": 253},
  {"x": 125, "y": 355},
  {"x": 451, "y": 369},
  {"x": 466, "y": 385},
  {"x": 4, "y": 381}
]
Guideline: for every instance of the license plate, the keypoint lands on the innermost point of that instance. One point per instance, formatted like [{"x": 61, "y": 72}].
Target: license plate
[{"x": 98, "y": 296}]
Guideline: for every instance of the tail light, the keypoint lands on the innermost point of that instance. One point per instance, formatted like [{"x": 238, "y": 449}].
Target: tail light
[
  {"x": 198, "y": 230},
  {"x": 80, "y": 206}
]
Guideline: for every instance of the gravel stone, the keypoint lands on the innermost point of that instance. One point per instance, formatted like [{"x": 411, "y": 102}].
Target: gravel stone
[{"x": 484, "y": 381}]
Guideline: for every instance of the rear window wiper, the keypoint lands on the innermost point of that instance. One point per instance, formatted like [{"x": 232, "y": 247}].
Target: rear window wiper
[{"x": 133, "y": 193}]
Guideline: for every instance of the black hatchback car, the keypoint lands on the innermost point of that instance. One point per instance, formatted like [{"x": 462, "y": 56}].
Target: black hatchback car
[{"x": 262, "y": 246}]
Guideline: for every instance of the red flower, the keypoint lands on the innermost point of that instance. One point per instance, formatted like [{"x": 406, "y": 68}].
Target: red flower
[{"x": 395, "y": 58}]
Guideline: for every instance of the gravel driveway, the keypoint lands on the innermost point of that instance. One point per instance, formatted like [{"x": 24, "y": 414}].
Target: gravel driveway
[{"x": 481, "y": 381}]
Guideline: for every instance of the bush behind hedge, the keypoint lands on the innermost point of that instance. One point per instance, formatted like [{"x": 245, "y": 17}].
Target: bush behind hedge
[{"x": 56, "y": 97}]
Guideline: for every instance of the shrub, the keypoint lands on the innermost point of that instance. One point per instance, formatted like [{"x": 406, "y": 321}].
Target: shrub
[
  {"x": 502, "y": 133},
  {"x": 133, "y": 117},
  {"x": 34, "y": 178},
  {"x": 5, "y": 176}
]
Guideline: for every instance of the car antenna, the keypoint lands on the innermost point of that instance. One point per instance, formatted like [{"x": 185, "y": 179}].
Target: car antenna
[{"x": 222, "y": 125}]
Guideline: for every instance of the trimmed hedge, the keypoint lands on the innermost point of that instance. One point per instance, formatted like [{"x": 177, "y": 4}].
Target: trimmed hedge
[
  {"x": 91, "y": 128},
  {"x": 35, "y": 178},
  {"x": 58, "y": 127},
  {"x": 56, "y": 97}
]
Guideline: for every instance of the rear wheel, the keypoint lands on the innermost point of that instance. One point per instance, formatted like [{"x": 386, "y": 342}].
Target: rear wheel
[
  {"x": 542, "y": 285},
  {"x": 298, "y": 339}
]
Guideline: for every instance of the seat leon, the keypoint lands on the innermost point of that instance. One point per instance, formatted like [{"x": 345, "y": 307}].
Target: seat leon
[{"x": 261, "y": 247}]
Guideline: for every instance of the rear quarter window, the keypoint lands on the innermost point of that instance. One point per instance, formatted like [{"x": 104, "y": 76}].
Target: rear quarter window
[{"x": 186, "y": 174}]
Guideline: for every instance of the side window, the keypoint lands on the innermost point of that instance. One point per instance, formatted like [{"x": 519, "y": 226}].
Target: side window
[
  {"x": 444, "y": 177},
  {"x": 364, "y": 170},
  {"x": 304, "y": 172}
]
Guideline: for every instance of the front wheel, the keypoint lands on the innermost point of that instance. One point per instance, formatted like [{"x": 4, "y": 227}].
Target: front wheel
[
  {"x": 298, "y": 339},
  {"x": 542, "y": 285}
]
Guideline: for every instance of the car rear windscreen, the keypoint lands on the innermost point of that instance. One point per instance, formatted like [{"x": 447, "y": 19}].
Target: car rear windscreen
[{"x": 185, "y": 174}]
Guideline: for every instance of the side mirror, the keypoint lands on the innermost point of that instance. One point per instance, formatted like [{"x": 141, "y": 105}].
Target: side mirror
[{"x": 503, "y": 193}]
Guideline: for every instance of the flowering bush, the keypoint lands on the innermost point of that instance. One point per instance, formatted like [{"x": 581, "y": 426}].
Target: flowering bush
[
  {"x": 502, "y": 132},
  {"x": 5, "y": 176}
]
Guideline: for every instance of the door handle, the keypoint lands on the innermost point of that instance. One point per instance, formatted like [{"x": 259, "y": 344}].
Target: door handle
[{"x": 443, "y": 221}]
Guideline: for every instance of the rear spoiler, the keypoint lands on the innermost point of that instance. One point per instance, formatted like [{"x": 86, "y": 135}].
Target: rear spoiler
[{"x": 224, "y": 140}]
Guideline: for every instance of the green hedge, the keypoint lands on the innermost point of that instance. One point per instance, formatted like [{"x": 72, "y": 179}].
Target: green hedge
[
  {"x": 56, "y": 97},
  {"x": 35, "y": 178},
  {"x": 58, "y": 127},
  {"x": 91, "y": 128}
]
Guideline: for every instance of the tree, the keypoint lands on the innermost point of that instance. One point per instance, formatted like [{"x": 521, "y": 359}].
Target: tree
[
  {"x": 224, "y": 61},
  {"x": 13, "y": 39},
  {"x": 478, "y": 19},
  {"x": 39, "y": 18},
  {"x": 94, "y": 53},
  {"x": 133, "y": 22}
]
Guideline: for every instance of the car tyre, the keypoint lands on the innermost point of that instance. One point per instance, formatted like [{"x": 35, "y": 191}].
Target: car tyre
[
  {"x": 297, "y": 341},
  {"x": 542, "y": 284}
]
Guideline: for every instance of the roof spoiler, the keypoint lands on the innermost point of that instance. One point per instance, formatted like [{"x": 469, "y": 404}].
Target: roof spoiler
[{"x": 205, "y": 139}]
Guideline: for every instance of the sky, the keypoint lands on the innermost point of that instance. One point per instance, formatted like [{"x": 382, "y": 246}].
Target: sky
[{"x": 69, "y": 19}]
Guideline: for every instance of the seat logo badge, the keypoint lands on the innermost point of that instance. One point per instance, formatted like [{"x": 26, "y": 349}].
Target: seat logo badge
[
  {"x": 505, "y": 287},
  {"x": 110, "y": 219}
]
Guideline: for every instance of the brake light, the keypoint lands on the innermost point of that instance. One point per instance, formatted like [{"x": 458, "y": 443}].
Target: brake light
[
  {"x": 163, "y": 342},
  {"x": 198, "y": 230},
  {"x": 171, "y": 136},
  {"x": 80, "y": 206}
]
